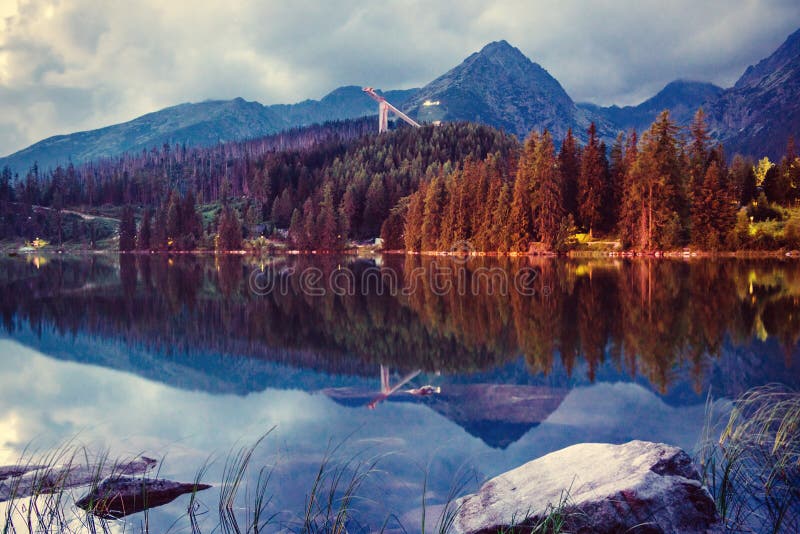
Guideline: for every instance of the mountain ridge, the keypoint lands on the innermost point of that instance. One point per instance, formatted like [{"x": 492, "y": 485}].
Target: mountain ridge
[
  {"x": 196, "y": 124},
  {"x": 501, "y": 86},
  {"x": 497, "y": 85}
]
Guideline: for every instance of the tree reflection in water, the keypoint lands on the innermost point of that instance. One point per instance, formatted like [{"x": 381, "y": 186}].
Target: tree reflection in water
[{"x": 649, "y": 318}]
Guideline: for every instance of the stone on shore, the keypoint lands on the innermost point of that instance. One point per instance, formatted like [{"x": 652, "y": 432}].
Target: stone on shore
[
  {"x": 637, "y": 487},
  {"x": 45, "y": 480},
  {"x": 117, "y": 497}
]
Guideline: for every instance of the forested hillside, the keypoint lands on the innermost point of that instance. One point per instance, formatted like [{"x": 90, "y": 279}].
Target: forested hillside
[{"x": 325, "y": 184}]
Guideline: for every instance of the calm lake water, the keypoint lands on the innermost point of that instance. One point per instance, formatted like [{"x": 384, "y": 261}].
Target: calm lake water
[{"x": 186, "y": 358}]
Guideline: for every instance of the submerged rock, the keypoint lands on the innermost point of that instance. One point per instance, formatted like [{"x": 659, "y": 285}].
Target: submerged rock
[
  {"x": 45, "y": 479},
  {"x": 635, "y": 487},
  {"x": 117, "y": 497}
]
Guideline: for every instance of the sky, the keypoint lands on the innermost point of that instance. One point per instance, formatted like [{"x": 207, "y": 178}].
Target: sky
[{"x": 70, "y": 65}]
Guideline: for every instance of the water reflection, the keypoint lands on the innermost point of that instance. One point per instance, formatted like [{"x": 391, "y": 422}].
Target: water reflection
[
  {"x": 650, "y": 319},
  {"x": 596, "y": 351}
]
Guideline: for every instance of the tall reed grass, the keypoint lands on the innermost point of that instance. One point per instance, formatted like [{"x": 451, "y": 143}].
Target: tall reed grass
[{"x": 753, "y": 468}]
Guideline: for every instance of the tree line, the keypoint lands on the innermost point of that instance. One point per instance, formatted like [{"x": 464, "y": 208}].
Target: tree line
[
  {"x": 661, "y": 191},
  {"x": 646, "y": 318},
  {"x": 423, "y": 189}
]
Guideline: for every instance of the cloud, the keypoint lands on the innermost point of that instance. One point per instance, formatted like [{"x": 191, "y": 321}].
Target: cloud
[{"x": 68, "y": 66}]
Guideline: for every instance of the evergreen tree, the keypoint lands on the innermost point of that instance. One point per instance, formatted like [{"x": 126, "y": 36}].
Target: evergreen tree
[
  {"x": 777, "y": 185},
  {"x": 310, "y": 237},
  {"x": 296, "y": 231},
  {"x": 191, "y": 225},
  {"x": 502, "y": 219},
  {"x": 592, "y": 183},
  {"x": 412, "y": 232},
  {"x": 743, "y": 179},
  {"x": 127, "y": 230},
  {"x": 282, "y": 209},
  {"x": 144, "y": 236},
  {"x": 6, "y": 190},
  {"x": 569, "y": 163},
  {"x": 699, "y": 152},
  {"x": 229, "y": 231},
  {"x": 374, "y": 208},
  {"x": 159, "y": 239},
  {"x": 713, "y": 211},
  {"x": 547, "y": 186},
  {"x": 616, "y": 177},
  {"x": 435, "y": 199},
  {"x": 174, "y": 220},
  {"x": 659, "y": 188},
  {"x": 327, "y": 227},
  {"x": 520, "y": 218},
  {"x": 393, "y": 227}
]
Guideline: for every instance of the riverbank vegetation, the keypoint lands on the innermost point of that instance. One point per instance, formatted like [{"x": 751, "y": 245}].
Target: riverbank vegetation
[
  {"x": 427, "y": 189},
  {"x": 753, "y": 468},
  {"x": 750, "y": 464}
]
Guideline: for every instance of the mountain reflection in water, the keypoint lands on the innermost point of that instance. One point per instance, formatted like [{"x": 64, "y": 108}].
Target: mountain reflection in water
[{"x": 597, "y": 350}]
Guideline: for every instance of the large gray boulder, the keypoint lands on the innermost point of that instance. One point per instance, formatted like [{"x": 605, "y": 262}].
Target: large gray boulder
[{"x": 637, "y": 487}]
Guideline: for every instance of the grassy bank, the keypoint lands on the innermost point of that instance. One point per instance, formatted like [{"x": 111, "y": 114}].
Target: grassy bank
[{"x": 750, "y": 461}]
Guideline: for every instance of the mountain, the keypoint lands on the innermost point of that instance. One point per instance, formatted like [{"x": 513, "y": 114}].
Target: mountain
[
  {"x": 757, "y": 115},
  {"x": 200, "y": 124},
  {"x": 500, "y": 86},
  {"x": 681, "y": 97}
]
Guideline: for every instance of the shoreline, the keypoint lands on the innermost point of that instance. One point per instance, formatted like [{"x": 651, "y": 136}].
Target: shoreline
[{"x": 12, "y": 251}]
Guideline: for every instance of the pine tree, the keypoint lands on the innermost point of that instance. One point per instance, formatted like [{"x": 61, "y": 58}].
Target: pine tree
[
  {"x": 547, "y": 186},
  {"x": 743, "y": 179},
  {"x": 375, "y": 208},
  {"x": 502, "y": 219},
  {"x": 229, "y": 231},
  {"x": 777, "y": 185},
  {"x": 658, "y": 172},
  {"x": 296, "y": 231},
  {"x": 327, "y": 228},
  {"x": 127, "y": 230},
  {"x": 713, "y": 212},
  {"x": 281, "y": 213},
  {"x": 592, "y": 183},
  {"x": 699, "y": 152},
  {"x": 310, "y": 237},
  {"x": 569, "y": 162},
  {"x": 348, "y": 212},
  {"x": 392, "y": 228},
  {"x": 435, "y": 199},
  {"x": 616, "y": 176},
  {"x": 143, "y": 238},
  {"x": 412, "y": 232},
  {"x": 159, "y": 239},
  {"x": 191, "y": 225},
  {"x": 520, "y": 218},
  {"x": 174, "y": 220}
]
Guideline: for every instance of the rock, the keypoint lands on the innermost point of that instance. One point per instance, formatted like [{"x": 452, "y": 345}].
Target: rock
[
  {"x": 635, "y": 487},
  {"x": 9, "y": 471},
  {"x": 58, "y": 478},
  {"x": 117, "y": 497}
]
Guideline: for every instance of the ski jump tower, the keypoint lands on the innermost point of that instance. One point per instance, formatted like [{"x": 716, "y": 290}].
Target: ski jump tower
[{"x": 383, "y": 111}]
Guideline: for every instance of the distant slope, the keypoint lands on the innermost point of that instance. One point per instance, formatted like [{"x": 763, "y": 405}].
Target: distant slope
[
  {"x": 201, "y": 124},
  {"x": 758, "y": 114},
  {"x": 498, "y": 86},
  {"x": 501, "y": 87},
  {"x": 681, "y": 97}
]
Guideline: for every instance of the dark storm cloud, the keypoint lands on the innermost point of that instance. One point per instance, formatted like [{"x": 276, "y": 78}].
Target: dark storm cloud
[{"x": 67, "y": 66}]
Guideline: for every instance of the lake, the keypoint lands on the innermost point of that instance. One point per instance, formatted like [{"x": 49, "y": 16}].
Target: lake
[{"x": 445, "y": 371}]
